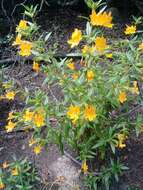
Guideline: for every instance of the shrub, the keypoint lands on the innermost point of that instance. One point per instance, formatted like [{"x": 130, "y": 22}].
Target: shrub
[{"x": 93, "y": 116}]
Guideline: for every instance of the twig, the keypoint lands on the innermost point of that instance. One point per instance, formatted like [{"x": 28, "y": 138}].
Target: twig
[
  {"x": 16, "y": 131},
  {"x": 132, "y": 110},
  {"x": 72, "y": 158},
  {"x": 140, "y": 89},
  {"x": 4, "y": 11},
  {"x": 9, "y": 61},
  {"x": 17, "y": 5}
]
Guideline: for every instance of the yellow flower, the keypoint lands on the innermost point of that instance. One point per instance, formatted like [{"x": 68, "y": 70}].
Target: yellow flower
[
  {"x": 22, "y": 25},
  {"x": 109, "y": 55},
  {"x": 25, "y": 48},
  {"x": 90, "y": 75},
  {"x": 141, "y": 46},
  {"x": 39, "y": 119},
  {"x": 37, "y": 149},
  {"x": 100, "y": 44},
  {"x": 75, "y": 76},
  {"x": 2, "y": 185},
  {"x": 85, "y": 49},
  {"x": 10, "y": 116},
  {"x": 28, "y": 116},
  {"x": 10, "y": 126},
  {"x": 84, "y": 167},
  {"x": 75, "y": 38},
  {"x": 5, "y": 165},
  {"x": 90, "y": 113},
  {"x": 10, "y": 95},
  {"x": 121, "y": 139},
  {"x": 32, "y": 142},
  {"x": 71, "y": 65},
  {"x": 73, "y": 113},
  {"x": 101, "y": 19},
  {"x": 36, "y": 67},
  {"x": 135, "y": 89},
  {"x": 130, "y": 29},
  {"x": 17, "y": 40},
  {"x": 14, "y": 172},
  {"x": 122, "y": 97}
]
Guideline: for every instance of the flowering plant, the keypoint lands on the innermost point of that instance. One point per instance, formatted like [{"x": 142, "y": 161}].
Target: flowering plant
[
  {"x": 93, "y": 113},
  {"x": 18, "y": 174},
  {"x": 7, "y": 88},
  {"x": 29, "y": 42}
]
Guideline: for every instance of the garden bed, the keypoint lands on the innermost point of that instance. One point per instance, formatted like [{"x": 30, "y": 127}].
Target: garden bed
[{"x": 16, "y": 143}]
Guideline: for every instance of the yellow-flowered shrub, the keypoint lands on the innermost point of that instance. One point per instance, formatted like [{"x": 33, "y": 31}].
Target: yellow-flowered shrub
[
  {"x": 92, "y": 115},
  {"x": 29, "y": 42}
]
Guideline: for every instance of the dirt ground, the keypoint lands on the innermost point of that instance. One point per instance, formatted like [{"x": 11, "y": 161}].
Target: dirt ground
[
  {"x": 16, "y": 144},
  {"x": 61, "y": 23}
]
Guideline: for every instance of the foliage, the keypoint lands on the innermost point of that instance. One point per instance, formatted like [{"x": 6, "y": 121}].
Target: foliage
[
  {"x": 7, "y": 87},
  {"x": 29, "y": 41},
  {"x": 19, "y": 175},
  {"x": 106, "y": 176},
  {"x": 94, "y": 4},
  {"x": 93, "y": 114}
]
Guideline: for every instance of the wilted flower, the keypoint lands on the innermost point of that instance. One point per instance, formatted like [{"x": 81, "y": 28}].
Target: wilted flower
[
  {"x": 36, "y": 67},
  {"x": 135, "y": 89},
  {"x": 5, "y": 165},
  {"x": 2, "y": 185},
  {"x": 32, "y": 142},
  {"x": 14, "y": 172}
]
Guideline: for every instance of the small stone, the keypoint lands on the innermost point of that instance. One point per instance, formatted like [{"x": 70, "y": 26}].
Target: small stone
[{"x": 66, "y": 173}]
